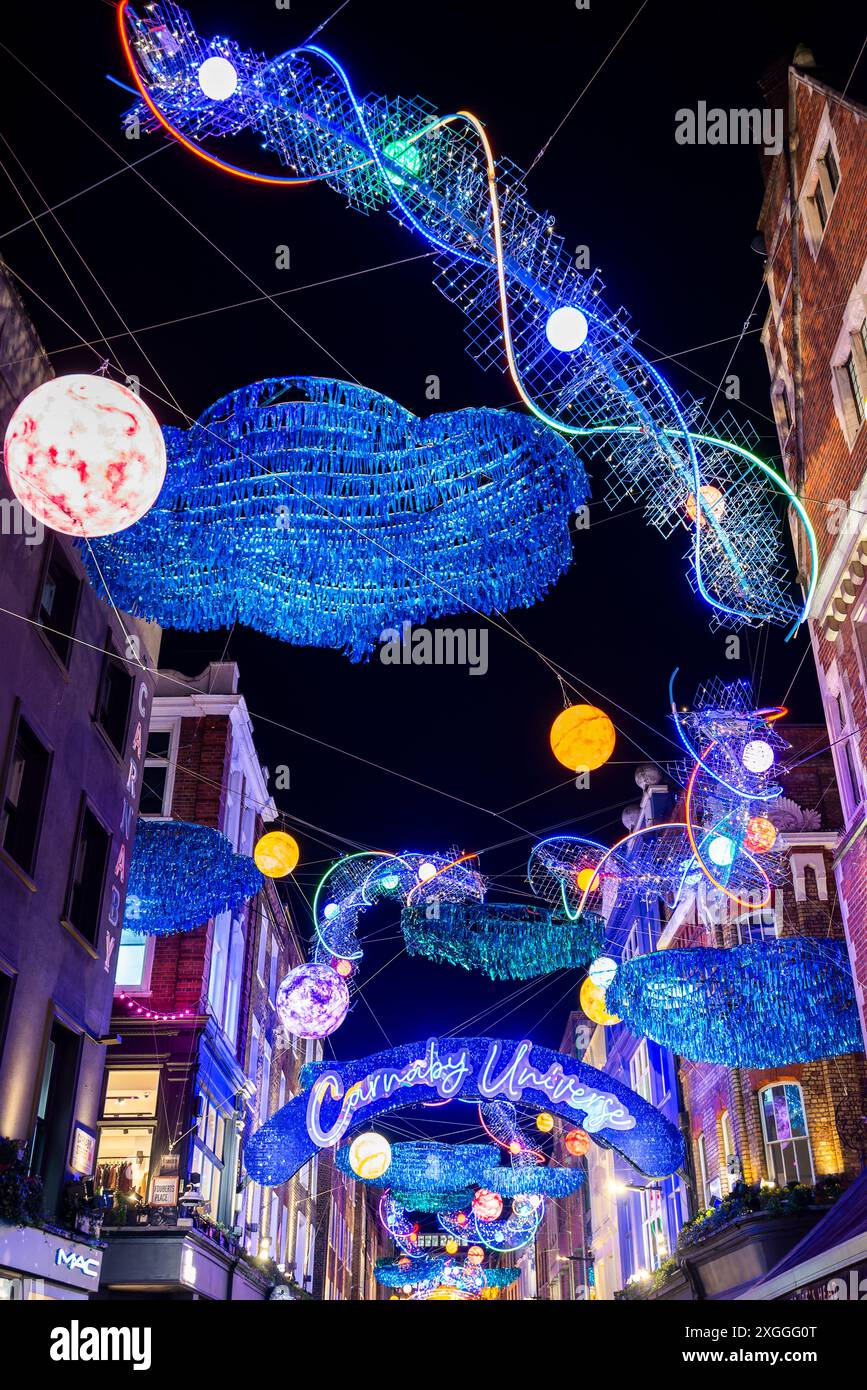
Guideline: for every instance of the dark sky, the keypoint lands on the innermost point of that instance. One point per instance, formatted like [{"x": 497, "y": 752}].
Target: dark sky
[{"x": 669, "y": 226}]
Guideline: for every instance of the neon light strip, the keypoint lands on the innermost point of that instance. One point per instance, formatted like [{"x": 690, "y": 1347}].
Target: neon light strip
[
  {"x": 633, "y": 835},
  {"x": 423, "y": 883},
  {"x": 705, "y": 870},
  {"x": 746, "y": 796}
]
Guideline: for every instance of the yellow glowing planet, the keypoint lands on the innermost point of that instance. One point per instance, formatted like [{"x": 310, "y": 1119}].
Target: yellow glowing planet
[
  {"x": 587, "y": 879},
  {"x": 544, "y": 1122},
  {"x": 369, "y": 1155},
  {"x": 592, "y": 1001},
  {"x": 276, "y": 854},
  {"x": 582, "y": 738},
  {"x": 712, "y": 501}
]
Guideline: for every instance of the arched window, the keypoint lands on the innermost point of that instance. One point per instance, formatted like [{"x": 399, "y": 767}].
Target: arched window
[
  {"x": 784, "y": 1127},
  {"x": 729, "y": 1178}
]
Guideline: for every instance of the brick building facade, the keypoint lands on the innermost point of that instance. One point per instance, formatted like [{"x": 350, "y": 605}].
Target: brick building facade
[{"x": 815, "y": 338}]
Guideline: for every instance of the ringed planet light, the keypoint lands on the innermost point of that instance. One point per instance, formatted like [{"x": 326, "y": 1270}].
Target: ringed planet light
[
  {"x": 582, "y": 738},
  {"x": 85, "y": 455},
  {"x": 276, "y": 854}
]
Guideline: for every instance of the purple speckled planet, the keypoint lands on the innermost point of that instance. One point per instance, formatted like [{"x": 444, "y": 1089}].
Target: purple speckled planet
[{"x": 312, "y": 1001}]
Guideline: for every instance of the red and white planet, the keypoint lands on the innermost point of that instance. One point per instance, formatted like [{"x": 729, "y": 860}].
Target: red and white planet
[{"x": 85, "y": 455}]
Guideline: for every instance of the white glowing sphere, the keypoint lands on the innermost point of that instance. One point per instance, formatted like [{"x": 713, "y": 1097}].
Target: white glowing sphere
[
  {"x": 602, "y": 971},
  {"x": 427, "y": 871},
  {"x": 721, "y": 850},
  {"x": 218, "y": 78},
  {"x": 330, "y": 910},
  {"x": 85, "y": 455},
  {"x": 566, "y": 328},
  {"x": 312, "y": 1001},
  {"x": 758, "y": 755},
  {"x": 369, "y": 1155}
]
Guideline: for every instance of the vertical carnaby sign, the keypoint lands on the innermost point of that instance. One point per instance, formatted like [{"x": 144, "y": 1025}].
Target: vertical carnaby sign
[{"x": 120, "y": 871}]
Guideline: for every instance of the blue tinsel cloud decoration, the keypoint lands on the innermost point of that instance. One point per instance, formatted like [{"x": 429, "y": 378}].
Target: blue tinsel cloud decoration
[
  {"x": 431, "y": 1167},
  {"x": 763, "y": 1005},
  {"x": 507, "y": 941},
  {"x": 325, "y": 514},
  {"x": 181, "y": 875}
]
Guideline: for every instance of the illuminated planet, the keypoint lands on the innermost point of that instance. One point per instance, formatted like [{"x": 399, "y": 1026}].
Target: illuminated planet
[
  {"x": 312, "y": 1001},
  {"x": 577, "y": 1142},
  {"x": 713, "y": 501},
  {"x": 761, "y": 835},
  {"x": 592, "y": 1001},
  {"x": 85, "y": 455},
  {"x": 588, "y": 880},
  {"x": 544, "y": 1121},
  {"x": 276, "y": 854},
  {"x": 582, "y": 738},
  {"x": 370, "y": 1156},
  {"x": 487, "y": 1206}
]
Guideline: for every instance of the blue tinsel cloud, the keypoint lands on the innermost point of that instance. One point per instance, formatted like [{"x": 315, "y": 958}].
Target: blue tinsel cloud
[{"x": 181, "y": 875}]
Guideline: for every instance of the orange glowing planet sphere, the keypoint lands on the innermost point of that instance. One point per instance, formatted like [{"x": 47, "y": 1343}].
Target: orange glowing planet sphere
[
  {"x": 487, "y": 1206},
  {"x": 577, "y": 1143},
  {"x": 713, "y": 500},
  {"x": 761, "y": 835},
  {"x": 276, "y": 854},
  {"x": 344, "y": 968},
  {"x": 475, "y": 1255},
  {"x": 582, "y": 738},
  {"x": 452, "y": 1246},
  {"x": 85, "y": 455},
  {"x": 592, "y": 1001},
  {"x": 588, "y": 880},
  {"x": 544, "y": 1122}
]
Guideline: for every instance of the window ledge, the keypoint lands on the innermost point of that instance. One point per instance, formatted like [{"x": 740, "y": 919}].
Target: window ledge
[
  {"x": 47, "y": 643},
  {"x": 77, "y": 936},
  {"x": 119, "y": 757},
  {"x": 6, "y": 858}
]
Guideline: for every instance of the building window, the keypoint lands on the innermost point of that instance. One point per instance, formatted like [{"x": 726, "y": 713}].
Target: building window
[
  {"x": 782, "y": 409},
  {"x": 703, "y": 1184},
  {"x": 7, "y": 985},
  {"x": 123, "y": 1161},
  {"x": 273, "y": 969},
  {"x": 639, "y": 1072},
  {"x": 156, "y": 780},
  {"x": 58, "y": 603},
  {"x": 233, "y": 987},
  {"x": 632, "y": 946},
  {"x": 129, "y": 1092},
  {"x": 220, "y": 943},
  {"x": 842, "y": 727},
  {"x": 253, "y": 1067},
  {"x": 758, "y": 925},
  {"x": 728, "y": 1173},
  {"x": 784, "y": 1126},
  {"x": 89, "y": 862},
  {"x": 265, "y": 1090},
  {"x": 113, "y": 701},
  {"x": 653, "y": 1229},
  {"x": 209, "y": 1153},
  {"x": 54, "y": 1110},
  {"x": 24, "y": 798},
  {"x": 134, "y": 956},
  {"x": 263, "y": 947},
  {"x": 820, "y": 186}
]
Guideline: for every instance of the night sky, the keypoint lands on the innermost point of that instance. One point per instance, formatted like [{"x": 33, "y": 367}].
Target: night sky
[{"x": 670, "y": 228}]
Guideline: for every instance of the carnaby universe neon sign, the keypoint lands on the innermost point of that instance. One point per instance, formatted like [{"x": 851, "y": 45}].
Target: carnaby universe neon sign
[{"x": 343, "y": 1094}]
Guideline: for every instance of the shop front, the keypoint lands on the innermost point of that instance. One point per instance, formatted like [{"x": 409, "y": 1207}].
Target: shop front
[{"x": 37, "y": 1264}]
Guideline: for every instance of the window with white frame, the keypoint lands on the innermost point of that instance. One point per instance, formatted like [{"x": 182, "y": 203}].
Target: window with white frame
[
  {"x": 265, "y": 1090},
  {"x": 158, "y": 774},
  {"x": 758, "y": 925},
  {"x": 221, "y": 938},
  {"x": 782, "y": 407},
  {"x": 639, "y": 1072},
  {"x": 273, "y": 969},
  {"x": 820, "y": 186},
  {"x": 263, "y": 947},
  {"x": 134, "y": 959},
  {"x": 784, "y": 1128},
  {"x": 703, "y": 1184},
  {"x": 653, "y": 1235},
  {"x": 849, "y": 364},
  {"x": 842, "y": 724},
  {"x": 208, "y": 1149},
  {"x": 235, "y": 971},
  {"x": 632, "y": 945},
  {"x": 255, "y": 1040}
]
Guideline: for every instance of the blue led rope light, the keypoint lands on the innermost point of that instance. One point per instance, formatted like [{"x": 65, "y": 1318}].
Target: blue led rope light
[
  {"x": 181, "y": 875},
  {"x": 502, "y": 264}
]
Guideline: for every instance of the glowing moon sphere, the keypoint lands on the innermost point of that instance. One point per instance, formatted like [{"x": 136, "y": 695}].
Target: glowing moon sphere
[
  {"x": 85, "y": 456},
  {"x": 582, "y": 738},
  {"x": 758, "y": 755},
  {"x": 592, "y": 1001},
  {"x": 713, "y": 501},
  {"x": 577, "y": 1142},
  {"x": 761, "y": 835},
  {"x": 276, "y": 854},
  {"x": 312, "y": 1001},
  {"x": 370, "y": 1155},
  {"x": 602, "y": 971},
  {"x": 588, "y": 881},
  {"x": 344, "y": 968},
  {"x": 721, "y": 851},
  {"x": 487, "y": 1206},
  {"x": 426, "y": 871},
  {"x": 218, "y": 78},
  {"x": 566, "y": 328},
  {"x": 544, "y": 1122}
]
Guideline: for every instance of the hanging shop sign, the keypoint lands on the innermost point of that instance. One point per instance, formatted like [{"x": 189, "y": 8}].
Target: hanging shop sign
[
  {"x": 340, "y": 1095},
  {"x": 82, "y": 1151}
]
